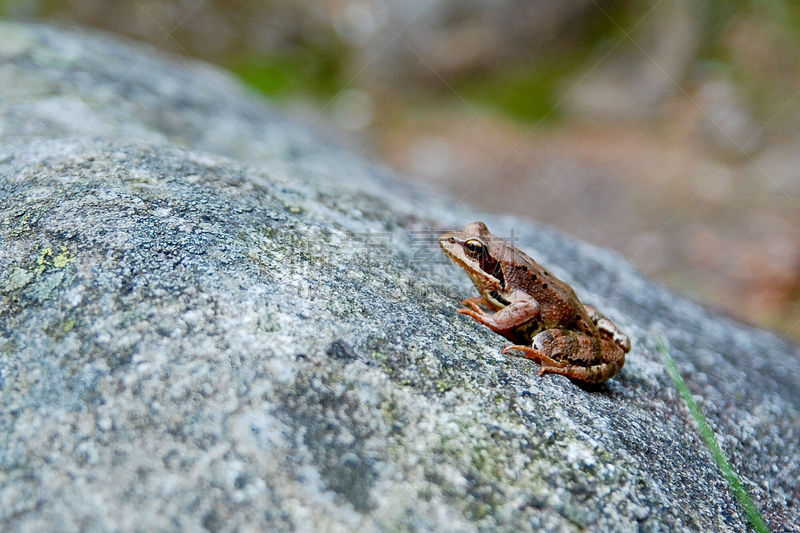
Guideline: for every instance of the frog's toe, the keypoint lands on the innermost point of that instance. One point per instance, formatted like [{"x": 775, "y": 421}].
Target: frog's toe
[
  {"x": 520, "y": 347},
  {"x": 563, "y": 370},
  {"x": 472, "y": 303},
  {"x": 474, "y": 314}
]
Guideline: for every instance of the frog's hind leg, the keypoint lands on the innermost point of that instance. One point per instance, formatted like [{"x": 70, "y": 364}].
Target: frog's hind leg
[
  {"x": 527, "y": 351},
  {"x": 586, "y": 374},
  {"x": 548, "y": 364},
  {"x": 574, "y": 355}
]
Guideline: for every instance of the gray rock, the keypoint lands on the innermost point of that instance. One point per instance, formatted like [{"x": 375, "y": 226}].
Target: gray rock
[{"x": 213, "y": 318}]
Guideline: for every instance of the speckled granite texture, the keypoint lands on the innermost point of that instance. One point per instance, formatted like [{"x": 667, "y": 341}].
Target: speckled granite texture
[{"x": 212, "y": 318}]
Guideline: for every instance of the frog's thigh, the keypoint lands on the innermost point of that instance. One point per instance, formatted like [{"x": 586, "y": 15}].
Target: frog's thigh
[
  {"x": 572, "y": 347},
  {"x": 578, "y": 356}
]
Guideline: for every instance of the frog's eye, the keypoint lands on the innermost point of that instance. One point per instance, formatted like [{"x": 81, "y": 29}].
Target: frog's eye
[{"x": 474, "y": 247}]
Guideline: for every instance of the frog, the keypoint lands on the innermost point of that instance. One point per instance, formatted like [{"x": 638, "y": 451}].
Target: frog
[{"x": 539, "y": 313}]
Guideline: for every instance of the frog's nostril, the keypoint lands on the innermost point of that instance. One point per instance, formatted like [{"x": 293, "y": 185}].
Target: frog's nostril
[{"x": 452, "y": 239}]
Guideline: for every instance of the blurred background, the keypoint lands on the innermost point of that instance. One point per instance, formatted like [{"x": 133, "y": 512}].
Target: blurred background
[{"x": 664, "y": 129}]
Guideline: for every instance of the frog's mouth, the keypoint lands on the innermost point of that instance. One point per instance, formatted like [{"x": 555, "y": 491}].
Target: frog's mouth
[{"x": 485, "y": 283}]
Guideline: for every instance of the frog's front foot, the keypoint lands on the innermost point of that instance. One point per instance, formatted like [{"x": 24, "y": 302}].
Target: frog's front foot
[
  {"x": 477, "y": 312},
  {"x": 473, "y": 303},
  {"x": 487, "y": 318}
]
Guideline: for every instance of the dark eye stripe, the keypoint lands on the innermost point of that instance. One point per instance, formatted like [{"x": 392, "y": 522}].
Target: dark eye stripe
[{"x": 490, "y": 266}]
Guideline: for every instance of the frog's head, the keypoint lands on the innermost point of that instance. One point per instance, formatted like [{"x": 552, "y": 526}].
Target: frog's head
[{"x": 478, "y": 252}]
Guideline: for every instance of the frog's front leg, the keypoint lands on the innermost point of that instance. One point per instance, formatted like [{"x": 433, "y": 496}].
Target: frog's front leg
[
  {"x": 608, "y": 329},
  {"x": 575, "y": 355},
  {"x": 522, "y": 308}
]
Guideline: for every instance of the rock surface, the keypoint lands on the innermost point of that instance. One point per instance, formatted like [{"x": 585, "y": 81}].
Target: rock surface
[{"x": 213, "y": 319}]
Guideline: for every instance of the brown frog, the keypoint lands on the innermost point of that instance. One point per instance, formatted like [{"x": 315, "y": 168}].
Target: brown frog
[{"x": 535, "y": 310}]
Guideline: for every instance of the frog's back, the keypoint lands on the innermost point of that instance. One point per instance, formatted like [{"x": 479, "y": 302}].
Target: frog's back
[{"x": 559, "y": 305}]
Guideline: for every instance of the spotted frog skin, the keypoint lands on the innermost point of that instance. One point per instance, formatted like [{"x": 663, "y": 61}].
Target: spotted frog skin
[{"x": 536, "y": 311}]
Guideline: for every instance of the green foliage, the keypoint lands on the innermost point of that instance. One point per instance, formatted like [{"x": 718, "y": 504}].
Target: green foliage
[
  {"x": 783, "y": 13},
  {"x": 314, "y": 70},
  {"x": 314, "y": 64},
  {"x": 527, "y": 93},
  {"x": 774, "y": 24},
  {"x": 532, "y": 91},
  {"x": 22, "y": 8}
]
